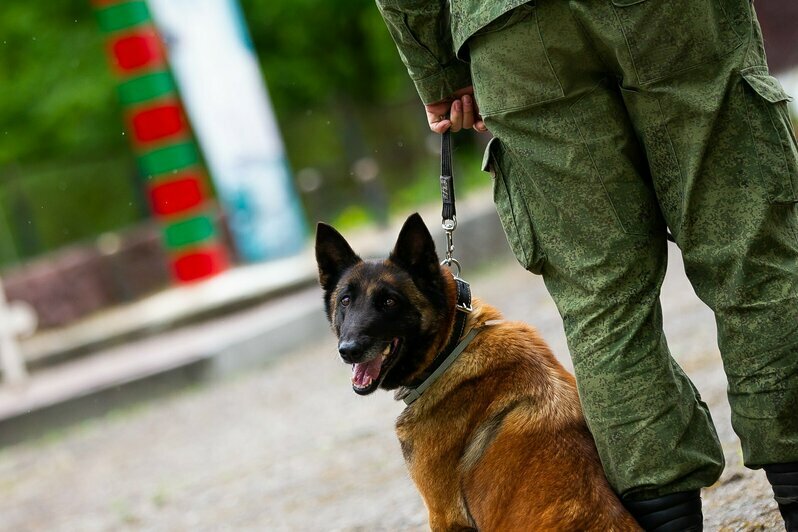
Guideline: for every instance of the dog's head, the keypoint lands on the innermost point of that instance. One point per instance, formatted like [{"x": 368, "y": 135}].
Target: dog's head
[{"x": 388, "y": 313}]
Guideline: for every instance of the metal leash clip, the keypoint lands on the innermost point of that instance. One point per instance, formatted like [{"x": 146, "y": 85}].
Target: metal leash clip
[{"x": 448, "y": 227}]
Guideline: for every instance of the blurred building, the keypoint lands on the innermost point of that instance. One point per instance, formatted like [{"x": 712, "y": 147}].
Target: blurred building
[{"x": 779, "y": 19}]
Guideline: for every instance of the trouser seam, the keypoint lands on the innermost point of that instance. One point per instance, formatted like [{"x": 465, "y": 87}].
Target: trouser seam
[
  {"x": 683, "y": 180},
  {"x": 590, "y": 153},
  {"x": 628, "y": 46}
]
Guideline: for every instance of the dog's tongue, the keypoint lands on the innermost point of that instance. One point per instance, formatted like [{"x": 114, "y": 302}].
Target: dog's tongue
[{"x": 363, "y": 374}]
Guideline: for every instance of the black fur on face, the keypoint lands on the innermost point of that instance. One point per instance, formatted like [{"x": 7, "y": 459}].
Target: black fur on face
[{"x": 391, "y": 310}]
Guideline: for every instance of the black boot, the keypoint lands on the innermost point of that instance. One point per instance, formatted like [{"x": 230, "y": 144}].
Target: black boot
[
  {"x": 784, "y": 479},
  {"x": 678, "y": 512}
]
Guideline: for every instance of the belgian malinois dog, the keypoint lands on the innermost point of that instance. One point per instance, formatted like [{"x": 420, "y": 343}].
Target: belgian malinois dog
[{"x": 498, "y": 442}]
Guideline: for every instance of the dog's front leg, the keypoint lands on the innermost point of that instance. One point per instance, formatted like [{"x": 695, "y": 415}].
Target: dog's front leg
[
  {"x": 439, "y": 488},
  {"x": 432, "y": 451},
  {"x": 445, "y": 523}
]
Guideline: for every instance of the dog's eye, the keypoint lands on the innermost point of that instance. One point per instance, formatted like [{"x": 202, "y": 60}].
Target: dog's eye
[
  {"x": 345, "y": 301},
  {"x": 389, "y": 302}
]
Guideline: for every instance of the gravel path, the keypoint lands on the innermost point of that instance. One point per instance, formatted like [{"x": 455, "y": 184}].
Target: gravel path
[{"x": 292, "y": 448}]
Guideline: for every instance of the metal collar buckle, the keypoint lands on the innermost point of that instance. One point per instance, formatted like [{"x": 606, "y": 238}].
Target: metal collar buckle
[{"x": 464, "y": 308}]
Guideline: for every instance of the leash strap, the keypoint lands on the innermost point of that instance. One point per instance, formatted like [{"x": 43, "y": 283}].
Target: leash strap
[
  {"x": 447, "y": 179},
  {"x": 448, "y": 213},
  {"x": 446, "y": 358}
]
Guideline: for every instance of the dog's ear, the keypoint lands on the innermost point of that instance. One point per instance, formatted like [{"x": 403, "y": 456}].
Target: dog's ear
[
  {"x": 415, "y": 249},
  {"x": 333, "y": 255}
]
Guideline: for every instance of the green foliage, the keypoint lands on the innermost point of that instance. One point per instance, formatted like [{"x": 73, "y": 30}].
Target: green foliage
[
  {"x": 57, "y": 98},
  {"x": 314, "y": 52},
  {"x": 340, "y": 93},
  {"x": 53, "y": 205},
  {"x": 65, "y": 165}
]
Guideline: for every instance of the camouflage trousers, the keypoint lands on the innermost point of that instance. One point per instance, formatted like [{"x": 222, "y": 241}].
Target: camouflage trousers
[{"x": 614, "y": 121}]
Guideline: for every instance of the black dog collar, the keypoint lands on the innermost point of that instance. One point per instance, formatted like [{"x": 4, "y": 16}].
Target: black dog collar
[{"x": 446, "y": 358}]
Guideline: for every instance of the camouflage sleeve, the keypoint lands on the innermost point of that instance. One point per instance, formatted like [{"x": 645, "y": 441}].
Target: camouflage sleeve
[{"x": 420, "y": 29}]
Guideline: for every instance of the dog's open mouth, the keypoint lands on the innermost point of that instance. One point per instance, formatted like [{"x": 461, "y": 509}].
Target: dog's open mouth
[{"x": 367, "y": 376}]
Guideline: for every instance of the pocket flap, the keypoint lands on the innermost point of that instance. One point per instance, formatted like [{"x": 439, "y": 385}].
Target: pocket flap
[
  {"x": 765, "y": 85},
  {"x": 624, "y": 3},
  {"x": 507, "y": 19},
  {"x": 492, "y": 145}
]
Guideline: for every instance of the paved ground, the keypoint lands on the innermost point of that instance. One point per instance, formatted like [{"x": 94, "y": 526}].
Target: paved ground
[{"x": 290, "y": 447}]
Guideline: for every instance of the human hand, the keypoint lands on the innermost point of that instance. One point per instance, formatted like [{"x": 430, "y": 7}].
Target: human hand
[{"x": 462, "y": 110}]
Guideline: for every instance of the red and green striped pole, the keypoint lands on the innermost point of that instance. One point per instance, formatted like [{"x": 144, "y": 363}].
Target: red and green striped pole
[{"x": 167, "y": 152}]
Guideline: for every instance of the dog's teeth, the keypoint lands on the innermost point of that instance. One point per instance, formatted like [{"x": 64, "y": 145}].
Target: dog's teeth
[
  {"x": 366, "y": 381},
  {"x": 387, "y": 350}
]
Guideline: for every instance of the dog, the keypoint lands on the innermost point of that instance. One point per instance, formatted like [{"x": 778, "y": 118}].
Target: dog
[{"x": 498, "y": 441}]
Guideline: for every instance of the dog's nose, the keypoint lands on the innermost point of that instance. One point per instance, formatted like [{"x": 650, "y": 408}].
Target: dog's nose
[{"x": 349, "y": 350}]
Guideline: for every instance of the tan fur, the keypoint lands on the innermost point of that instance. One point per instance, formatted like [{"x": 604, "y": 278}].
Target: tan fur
[
  {"x": 418, "y": 301},
  {"x": 499, "y": 442}
]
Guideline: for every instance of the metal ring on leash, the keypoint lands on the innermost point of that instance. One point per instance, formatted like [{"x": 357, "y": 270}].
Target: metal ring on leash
[{"x": 449, "y": 262}]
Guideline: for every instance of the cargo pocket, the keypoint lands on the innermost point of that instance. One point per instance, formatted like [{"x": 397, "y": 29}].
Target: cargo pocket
[
  {"x": 512, "y": 209},
  {"x": 509, "y": 66},
  {"x": 668, "y": 37},
  {"x": 772, "y": 134}
]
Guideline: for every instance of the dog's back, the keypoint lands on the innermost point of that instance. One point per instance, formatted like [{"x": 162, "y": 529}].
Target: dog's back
[{"x": 509, "y": 432}]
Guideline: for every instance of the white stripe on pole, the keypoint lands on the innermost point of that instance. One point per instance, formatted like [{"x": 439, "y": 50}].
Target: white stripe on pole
[{"x": 222, "y": 88}]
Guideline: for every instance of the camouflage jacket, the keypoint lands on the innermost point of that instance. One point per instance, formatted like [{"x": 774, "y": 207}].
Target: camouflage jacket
[{"x": 430, "y": 34}]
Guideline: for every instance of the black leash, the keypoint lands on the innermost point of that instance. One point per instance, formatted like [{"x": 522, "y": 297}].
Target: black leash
[
  {"x": 449, "y": 212},
  {"x": 447, "y": 179},
  {"x": 456, "y": 343}
]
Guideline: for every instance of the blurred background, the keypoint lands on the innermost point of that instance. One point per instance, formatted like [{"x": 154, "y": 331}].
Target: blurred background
[
  {"x": 162, "y": 167},
  {"x": 348, "y": 117}
]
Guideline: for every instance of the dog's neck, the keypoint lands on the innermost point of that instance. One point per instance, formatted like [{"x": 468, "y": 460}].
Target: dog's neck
[{"x": 453, "y": 346}]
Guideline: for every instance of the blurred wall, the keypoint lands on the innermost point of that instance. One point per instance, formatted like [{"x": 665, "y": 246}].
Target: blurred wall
[{"x": 779, "y": 20}]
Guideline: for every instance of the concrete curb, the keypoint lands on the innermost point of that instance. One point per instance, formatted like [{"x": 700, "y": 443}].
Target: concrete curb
[{"x": 238, "y": 288}]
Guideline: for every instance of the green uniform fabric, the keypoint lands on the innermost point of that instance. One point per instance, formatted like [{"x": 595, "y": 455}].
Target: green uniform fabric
[
  {"x": 427, "y": 34},
  {"x": 614, "y": 120}
]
